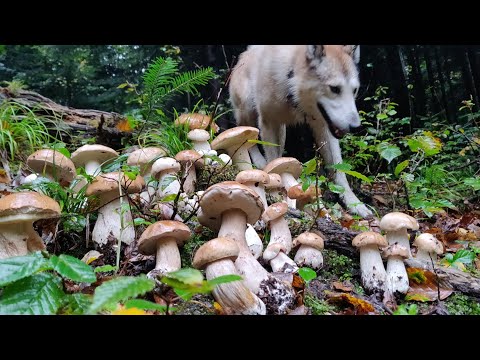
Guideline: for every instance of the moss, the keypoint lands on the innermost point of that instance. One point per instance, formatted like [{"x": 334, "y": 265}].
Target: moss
[
  {"x": 459, "y": 304},
  {"x": 317, "y": 306},
  {"x": 216, "y": 175},
  {"x": 338, "y": 266},
  {"x": 190, "y": 247}
]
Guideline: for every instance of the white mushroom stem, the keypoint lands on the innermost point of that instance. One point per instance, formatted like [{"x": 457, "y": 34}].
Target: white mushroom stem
[
  {"x": 424, "y": 255},
  {"x": 92, "y": 167},
  {"x": 280, "y": 234},
  {"x": 234, "y": 223},
  {"x": 371, "y": 268},
  {"x": 190, "y": 178},
  {"x": 397, "y": 277},
  {"x": 260, "y": 190},
  {"x": 18, "y": 239},
  {"x": 110, "y": 219},
  {"x": 168, "y": 256},
  {"x": 309, "y": 256},
  {"x": 400, "y": 237},
  {"x": 253, "y": 241},
  {"x": 234, "y": 297},
  {"x": 278, "y": 263},
  {"x": 172, "y": 188},
  {"x": 241, "y": 157},
  {"x": 288, "y": 181},
  {"x": 201, "y": 146}
]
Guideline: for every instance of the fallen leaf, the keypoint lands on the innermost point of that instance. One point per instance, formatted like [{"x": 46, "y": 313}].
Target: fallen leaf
[
  {"x": 380, "y": 199},
  {"x": 341, "y": 286},
  {"x": 298, "y": 282},
  {"x": 218, "y": 308},
  {"x": 90, "y": 256},
  {"x": 359, "y": 306},
  {"x": 347, "y": 223},
  {"x": 123, "y": 125},
  {"x": 424, "y": 286},
  {"x": 131, "y": 311}
]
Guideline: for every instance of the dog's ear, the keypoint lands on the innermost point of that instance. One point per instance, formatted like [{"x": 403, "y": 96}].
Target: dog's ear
[
  {"x": 315, "y": 51},
  {"x": 353, "y": 51}
]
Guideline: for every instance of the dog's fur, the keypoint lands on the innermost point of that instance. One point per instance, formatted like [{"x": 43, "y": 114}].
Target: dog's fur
[{"x": 273, "y": 86}]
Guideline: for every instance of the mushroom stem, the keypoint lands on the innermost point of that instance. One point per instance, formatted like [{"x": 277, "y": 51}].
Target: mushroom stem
[
  {"x": 253, "y": 241},
  {"x": 371, "y": 267},
  {"x": 91, "y": 167},
  {"x": 400, "y": 237},
  {"x": 309, "y": 256},
  {"x": 190, "y": 178},
  {"x": 288, "y": 181},
  {"x": 168, "y": 256},
  {"x": 397, "y": 277},
  {"x": 260, "y": 190},
  {"x": 18, "y": 239},
  {"x": 234, "y": 223},
  {"x": 234, "y": 297},
  {"x": 172, "y": 188},
  {"x": 241, "y": 158},
  {"x": 278, "y": 263},
  {"x": 423, "y": 255},
  {"x": 109, "y": 221},
  {"x": 280, "y": 233}
]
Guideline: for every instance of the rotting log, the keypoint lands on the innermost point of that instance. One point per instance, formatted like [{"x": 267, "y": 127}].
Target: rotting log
[{"x": 107, "y": 127}]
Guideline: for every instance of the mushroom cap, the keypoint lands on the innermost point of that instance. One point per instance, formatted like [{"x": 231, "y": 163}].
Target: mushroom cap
[
  {"x": 214, "y": 250},
  {"x": 105, "y": 184},
  {"x": 144, "y": 157},
  {"x": 284, "y": 165},
  {"x": 198, "y": 135},
  {"x": 396, "y": 250},
  {"x": 232, "y": 139},
  {"x": 53, "y": 162},
  {"x": 369, "y": 238},
  {"x": 256, "y": 176},
  {"x": 27, "y": 206},
  {"x": 196, "y": 121},
  {"x": 274, "y": 211},
  {"x": 188, "y": 156},
  {"x": 87, "y": 153},
  {"x": 228, "y": 195},
  {"x": 272, "y": 251},
  {"x": 163, "y": 165},
  {"x": 296, "y": 192},
  {"x": 429, "y": 243},
  {"x": 309, "y": 239},
  {"x": 275, "y": 181},
  {"x": 395, "y": 221},
  {"x": 161, "y": 230}
]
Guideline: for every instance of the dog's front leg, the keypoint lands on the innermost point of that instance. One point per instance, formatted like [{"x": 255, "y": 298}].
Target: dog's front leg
[
  {"x": 331, "y": 153},
  {"x": 273, "y": 134}
]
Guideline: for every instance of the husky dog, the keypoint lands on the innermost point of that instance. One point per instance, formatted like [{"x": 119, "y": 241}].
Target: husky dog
[{"x": 273, "y": 86}]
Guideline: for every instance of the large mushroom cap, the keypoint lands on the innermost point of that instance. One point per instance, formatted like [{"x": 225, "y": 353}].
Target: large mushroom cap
[
  {"x": 309, "y": 239},
  {"x": 214, "y": 250},
  {"x": 27, "y": 205},
  {"x": 234, "y": 138},
  {"x": 53, "y": 162},
  {"x": 165, "y": 164},
  {"x": 429, "y": 243},
  {"x": 108, "y": 184},
  {"x": 144, "y": 157},
  {"x": 225, "y": 196},
  {"x": 396, "y": 250},
  {"x": 87, "y": 153},
  {"x": 255, "y": 176},
  {"x": 161, "y": 230},
  {"x": 395, "y": 221},
  {"x": 284, "y": 165},
  {"x": 369, "y": 238},
  {"x": 198, "y": 135},
  {"x": 187, "y": 156},
  {"x": 274, "y": 211},
  {"x": 296, "y": 192},
  {"x": 196, "y": 121}
]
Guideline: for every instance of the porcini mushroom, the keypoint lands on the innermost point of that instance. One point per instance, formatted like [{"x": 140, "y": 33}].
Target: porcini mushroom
[
  {"x": 217, "y": 257},
  {"x": 18, "y": 212},
  {"x": 165, "y": 171},
  {"x": 189, "y": 160},
  {"x": 310, "y": 251},
  {"x": 395, "y": 225},
  {"x": 91, "y": 157},
  {"x": 196, "y": 121},
  {"x": 163, "y": 239},
  {"x": 53, "y": 165},
  {"x": 371, "y": 263},
  {"x": 289, "y": 170},
  {"x": 253, "y": 241},
  {"x": 199, "y": 140},
  {"x": 428, "y": 247},
  {"x": 255, "y": 180},
  {"x": 397, "y": 277}
]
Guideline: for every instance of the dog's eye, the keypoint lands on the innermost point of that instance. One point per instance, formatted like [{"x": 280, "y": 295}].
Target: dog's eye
[{"x": 335, "y": 89}]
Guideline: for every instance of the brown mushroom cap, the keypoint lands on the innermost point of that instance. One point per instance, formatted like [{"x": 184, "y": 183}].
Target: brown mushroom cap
[
  {"x": 198, "y": 135},
  {"x": 274, "y": 211},
  {"x": 196, "y": 121},
  {"x": 275, "y": 181},
  {"x": 186, "y": 156},
  {"x": 284, "y": 165},
  {"x": 87, "y": 153},
  {"x": 165, "y": 164},
  {"x": 309, "y": 239},
  {"x": 225, "y": 196},
  {"x": 369, "y": 238},
  {"x": 429, "y": 243},
  {"x": 296, "y": 192},
  {"x": 107, "y": 185},
  {"x": 395, "y": 221},
  {"x": 273, "y": 250},
  {"x": 27, "y": 205},
  {"x": 214, "y": 250},
  {"x": 255, "y": 176},
  {"x": 144, "y": 157},
  {"x": 161, "y": 230},
  {"x": 396, "y": 250},
  {"x": 53, "y": 162},
  {"x": 233, "y": 138}
]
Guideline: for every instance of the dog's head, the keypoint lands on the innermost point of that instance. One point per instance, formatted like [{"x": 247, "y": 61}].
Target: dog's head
[{"x": 331, "y": 84}]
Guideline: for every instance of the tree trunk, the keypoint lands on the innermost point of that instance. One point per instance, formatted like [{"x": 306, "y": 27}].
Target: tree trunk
[
  {"x": 411, "y": 104},
  {"x": 468, "y": 57},
  {"x": 449, "y": 71},
  {"x": 431, "y": 81},
  {"x": 398, "y": 86},
  {"x": 419, "y": 88},
  {"x": 441, "y": 78}
]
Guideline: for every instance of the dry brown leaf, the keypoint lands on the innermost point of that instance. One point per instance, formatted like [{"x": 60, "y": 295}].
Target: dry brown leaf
[
  {"x": 423, "y": 286},
  {"x": 342, "y": 286},
  {"x": 380, "y": 199},
  {"x": 359, "y": 306},
  {"x": 477, "y": 263},
  {"x": 4, "y": 178},
  {"x": 124, "y": 126},
  {"x": 298, "y": 282}
]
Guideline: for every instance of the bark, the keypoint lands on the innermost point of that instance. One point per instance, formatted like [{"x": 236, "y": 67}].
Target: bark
[
  {"x": 441, "y": 78},
  {"x": 431, "y": 82}
]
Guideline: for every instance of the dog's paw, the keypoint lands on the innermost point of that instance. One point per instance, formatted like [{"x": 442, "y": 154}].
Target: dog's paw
[{"x": 359, "y": 209}]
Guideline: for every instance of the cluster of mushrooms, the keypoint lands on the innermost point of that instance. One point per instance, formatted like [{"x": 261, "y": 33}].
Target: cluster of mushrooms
[{"x": 232, "y": 209}]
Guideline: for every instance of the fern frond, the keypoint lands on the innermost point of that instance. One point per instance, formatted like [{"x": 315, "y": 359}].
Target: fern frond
[
  {"x": 159, "y": 74},
  {"x": 188, "y": 81}
]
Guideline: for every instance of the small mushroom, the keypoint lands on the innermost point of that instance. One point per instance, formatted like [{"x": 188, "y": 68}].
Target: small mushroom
[
  {"x": 255, "y": 180},
  {"x": 189, "y": 160},
  {"x": 165, "y": 171},
  {"x": 196, "y": 121},
  {"x": 428, "y": 247},
  {"x": 18, "y": 212},
  {"x": 200, "y": 139},
  {"x": 289, "y": 170},
  {"x": 163, "y": 239},
  {"x": 303, "y": 198},
  {"x": 91, "y": 157},
  {"x": 310, "y": 250},
  {"x": 53, "y": 165},
  {"x": 395, "y": 225},
  {"x": 397, "y": 277},
  {"x": 217, "y": 257},
  {"x": 371, "y": 263},
  {"x": 253, "y": 241}
]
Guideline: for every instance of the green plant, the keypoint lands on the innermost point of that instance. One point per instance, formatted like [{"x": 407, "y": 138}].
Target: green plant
[
  {"x": 458, "y": 260},
  {"x": 317, "y": 306},
  {"x": 406, "y": 309},
  {"x": 459, "y": 304},
  {"x": 307, "y": 274}
]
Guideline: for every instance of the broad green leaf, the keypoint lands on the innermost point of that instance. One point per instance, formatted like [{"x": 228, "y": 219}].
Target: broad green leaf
[
  {"x": 145, "y": 305},
  {"x": 430, "y": 144},
  {"x": 337, "y": 189},
  {"x": 168, "y": 198},
  {"x": 464, "y": 256},
  {"x": 310, "y": 166},
  {"x": 77, "y": 304},
  {"x": 39, "y": 294},
  {"x": 307, "y": 274},
  {"x": 224, "y": 279},
  {"x": 131, "y": 175},
  {"x": 260, "y": 142},
  {"x": 19, "y": 267},
  {"x": 403, "y": 309},
  {"x": 141, "y": 221},
  {"x": 118, "y": 290},
  {"x": 105, "y": 268},
  {"x": 123, "y": 85},
  {"x": 357, "y": 175},
  {"x": 187, "y": 276},
  {"x": 382, "y": 116},
  {"x": 73, "y": 268},
  {"x": 341, "y": 166},
  {"x": 63, "y": 151},
  {"x": 388, "y": 151},
  {"x": 400, "y": 167},
  {"x": 473, "y": 182},
  {"x": 391, "y": 112}
]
